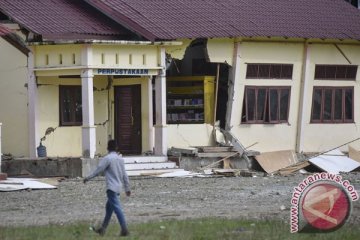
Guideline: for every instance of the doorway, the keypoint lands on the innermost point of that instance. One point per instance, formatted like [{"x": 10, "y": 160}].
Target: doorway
[{"x": 128, "y": 119}]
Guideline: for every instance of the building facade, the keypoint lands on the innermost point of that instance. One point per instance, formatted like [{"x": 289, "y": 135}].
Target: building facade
[{"x": 154, "y": 82}]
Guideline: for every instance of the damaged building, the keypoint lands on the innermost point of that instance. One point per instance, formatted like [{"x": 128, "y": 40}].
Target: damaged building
[{"x": 159, "y": 75}]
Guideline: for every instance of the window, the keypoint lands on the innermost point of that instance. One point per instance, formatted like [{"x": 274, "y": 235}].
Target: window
[
  {"x": 70, "y": 106},
  {"x": 266, "y": 105},
  {"x": 335, "y": 72},
  {"x": 332, "y": 105},
  {"x": 269, "y": 71}
]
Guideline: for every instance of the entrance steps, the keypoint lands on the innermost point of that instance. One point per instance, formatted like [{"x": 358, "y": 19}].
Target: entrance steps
[{"x": 148, "y": 165}]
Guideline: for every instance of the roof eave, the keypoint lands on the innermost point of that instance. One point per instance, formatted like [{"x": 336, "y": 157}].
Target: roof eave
[
  {"x": 106, "y": 42},
  {"x": 15, "y": 41}
]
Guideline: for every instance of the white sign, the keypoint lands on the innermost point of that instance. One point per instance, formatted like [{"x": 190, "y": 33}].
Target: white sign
[{"x": 121, "y": 71}]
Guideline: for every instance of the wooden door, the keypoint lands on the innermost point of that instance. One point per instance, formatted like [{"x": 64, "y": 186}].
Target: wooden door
[{"x": 128, "y": 119}]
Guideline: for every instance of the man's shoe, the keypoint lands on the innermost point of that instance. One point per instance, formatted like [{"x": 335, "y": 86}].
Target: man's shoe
[
  {"x": 100, "y": 231},
  {"x": 124, "y": 233}
]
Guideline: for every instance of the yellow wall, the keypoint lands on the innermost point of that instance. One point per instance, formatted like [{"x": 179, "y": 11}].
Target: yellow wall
[
  {"x": 273, "y": 137},
  {"x": 269, "y": 137},
  {"x": 130, "y": 56},
  {"x": 13, "y": 100},
  {"x": 64, "y": 141},
  {"x": 57, "y": 55},
  {"x": 189, "y": 135},
  {"x": 124, "y": 56},
  {"x": 321, "y": 137},
  {"x": 221, "y": 50}
]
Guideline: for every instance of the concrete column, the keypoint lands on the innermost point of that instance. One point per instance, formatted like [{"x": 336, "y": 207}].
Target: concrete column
[
  {"x": 160, "y": 99},
  {"x": 304, "y": 103},
  {"x": 234, "y": 76},
  {"x": 88, "y": 128},
  {"x": 150, "y": 107},
  {"x": 33, "y": 136}
]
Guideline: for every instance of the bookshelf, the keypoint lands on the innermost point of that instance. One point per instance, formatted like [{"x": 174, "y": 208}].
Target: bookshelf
[{"x": 190, "y": 99}]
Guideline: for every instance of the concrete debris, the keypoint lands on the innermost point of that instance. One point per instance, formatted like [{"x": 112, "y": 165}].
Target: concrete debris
[
  {"x": 182, "y": 151},
  {"x": 181, "y": 173},
  {"x": 234, "y": 172}
]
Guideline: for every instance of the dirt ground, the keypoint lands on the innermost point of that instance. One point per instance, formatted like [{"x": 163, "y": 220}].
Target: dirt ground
[{"x": 161, "y": 198}]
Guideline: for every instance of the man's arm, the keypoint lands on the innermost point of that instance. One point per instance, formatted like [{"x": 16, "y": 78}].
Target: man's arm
[
  {"x": 125, "y": 180},
  {"x": 103, "y": 164}
]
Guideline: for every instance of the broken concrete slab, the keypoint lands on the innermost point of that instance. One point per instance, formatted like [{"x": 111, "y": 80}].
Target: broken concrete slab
[
  {"x": 334, "y": 162},
  {"x": 174, "y": 151},
  {"x": 274, "y": 161}
]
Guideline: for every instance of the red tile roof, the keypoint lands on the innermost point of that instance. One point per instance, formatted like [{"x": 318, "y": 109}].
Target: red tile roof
[
  {"x": 61, "y": 19},
  {"x": 171, "y": 19},
  {"x": 4, "y": 30}
]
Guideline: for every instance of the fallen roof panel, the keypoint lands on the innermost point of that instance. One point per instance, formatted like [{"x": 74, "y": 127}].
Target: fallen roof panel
[
  {"x": 334, "y": 162},
  {"x": 16, "y": 184}
]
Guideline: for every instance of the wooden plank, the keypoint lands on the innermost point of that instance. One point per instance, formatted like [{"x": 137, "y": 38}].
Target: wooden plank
[
  {"x": 293, "y": 168},
  {"x": 273, "y": 161},
  {"x": 227, "y": 164},
  {"x": 354, "y": 154}
]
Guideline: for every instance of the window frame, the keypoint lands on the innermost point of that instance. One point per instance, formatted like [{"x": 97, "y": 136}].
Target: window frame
[
  {"x": 282, "y": 75},
  {"x": 267, "y": 118},
  {"x": 75, "y": 91},
  {"x": 336, "y": 66},
  {"x": 322, "y": 106}
]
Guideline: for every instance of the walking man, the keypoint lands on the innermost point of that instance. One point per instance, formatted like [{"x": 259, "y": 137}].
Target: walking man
[{"x": 116, "y": 178}]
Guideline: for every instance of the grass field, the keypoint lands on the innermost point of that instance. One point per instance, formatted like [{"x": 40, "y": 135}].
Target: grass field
[{"x": 214, "y": 228}]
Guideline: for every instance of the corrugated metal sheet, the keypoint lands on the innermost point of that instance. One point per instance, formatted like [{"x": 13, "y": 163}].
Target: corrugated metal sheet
[
  {"x": 61, "y": 19},
  {"x": 171, "y": 19}
]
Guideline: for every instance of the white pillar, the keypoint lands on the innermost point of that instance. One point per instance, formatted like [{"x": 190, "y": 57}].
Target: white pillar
[
  {"x": 160, "y": 99},
  {"x": 33, "y": 136},
  {"x": 87, "y": 92},
  {"x": 233, "y": 77},
  {"x": 304, "y": 103},
  {"x": 0, "y": 147},
  {"x": 150, "y": 107}
]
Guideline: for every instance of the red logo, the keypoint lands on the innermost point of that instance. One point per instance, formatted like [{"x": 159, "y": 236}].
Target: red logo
[{"x": 325, "y": 206}]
